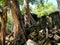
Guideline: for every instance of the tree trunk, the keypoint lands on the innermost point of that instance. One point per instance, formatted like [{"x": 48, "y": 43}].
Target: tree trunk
[
  {"x": 4, "y": 20},
  {"x": 27, "y": 15},
  {"x": 58, "y": 1},
  {"x": 17, "y": 20},
  {"x": 0, "y": 36},
  {"x": 0, "y": 28}
]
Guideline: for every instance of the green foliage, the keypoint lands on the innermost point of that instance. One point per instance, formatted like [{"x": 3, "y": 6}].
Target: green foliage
[
  {"x": 22, "y": 9},
  {"x": 33, "y": 1},
  {"x": 9, "y": 23},
  {"x": 1, "y": 4},
  {"x": 41, "y": 10},
  {"x": 1, "y": 1},
  {"x": 21, "y": 2},
  {"x": 42, "y": 2}
]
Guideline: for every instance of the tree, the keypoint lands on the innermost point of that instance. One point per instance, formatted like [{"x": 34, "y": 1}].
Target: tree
[
  {"x": 41, "y": 10},
  {"x": 0, "y": 27},
  {"x": 4, "y": 20},
  {"x": 58, "y": 1},
  {"x": 27, "y": 15},
  {"x": 17, "y": 20}
]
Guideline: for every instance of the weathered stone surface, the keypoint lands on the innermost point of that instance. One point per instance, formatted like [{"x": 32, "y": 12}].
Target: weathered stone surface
[{"x": 31, "y": 42}]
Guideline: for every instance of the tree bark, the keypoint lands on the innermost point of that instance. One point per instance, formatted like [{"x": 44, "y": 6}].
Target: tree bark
[
  {"x": 17, "y": 20},
  {"x": 58, "y": 1},
  {"x": 0, "y": 36},
  {"x": 27, "y": 15},
  {"x": 4, "y": 20},
  {"x": 0, "y": 28}
]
